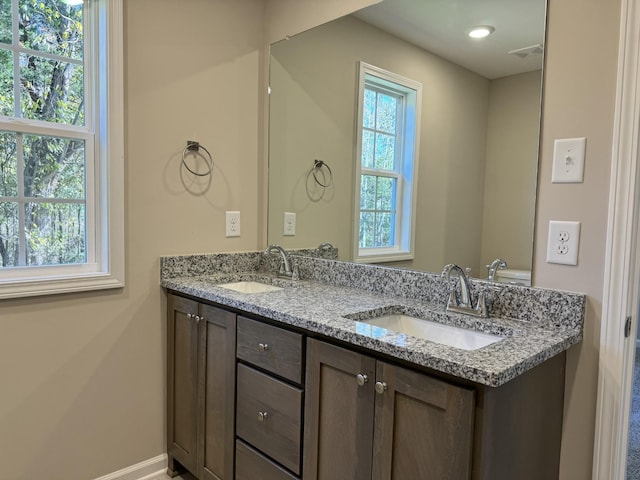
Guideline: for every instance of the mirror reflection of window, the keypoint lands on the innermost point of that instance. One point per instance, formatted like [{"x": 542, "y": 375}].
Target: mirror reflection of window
[{"x": 389, "y": 110}]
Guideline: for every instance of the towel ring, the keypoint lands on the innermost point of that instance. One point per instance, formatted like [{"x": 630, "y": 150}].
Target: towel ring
[
  {"x": 195, "y": 147},
  {"x": 318, "y": 165}
]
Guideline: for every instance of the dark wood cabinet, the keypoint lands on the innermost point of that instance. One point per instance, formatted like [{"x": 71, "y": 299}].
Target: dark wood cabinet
[
  {"x": 269, "y": 416},
  {"x": 343, "y": 414},
  {"x": 423, "y": 426},
  {"x": 367, "y": 419},
  {"x": 200, "y": 389},
  {"x": 273, "y": 349},
  {"x": 338, "y": 430},
  {"x": 252, "y": 465},
  {"x": 269, "y": 407}
]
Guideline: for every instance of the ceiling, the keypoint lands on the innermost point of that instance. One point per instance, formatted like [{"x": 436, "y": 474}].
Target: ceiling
[{"x": 440, "y": 27}]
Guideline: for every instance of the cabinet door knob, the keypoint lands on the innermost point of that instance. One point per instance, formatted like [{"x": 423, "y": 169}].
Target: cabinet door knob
[
  {"x": 189, "y": 315},
  {"x": 263, "y": 347},
  {"x": 361, "y": 379},
  {"x": 381, "y": 387},
  {"x": 262, "y": 416}
]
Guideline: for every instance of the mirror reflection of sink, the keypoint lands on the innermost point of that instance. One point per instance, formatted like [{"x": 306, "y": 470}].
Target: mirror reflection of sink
[
  {"x": 249, "y": 287},
  {"x": 457, "y": 337}
]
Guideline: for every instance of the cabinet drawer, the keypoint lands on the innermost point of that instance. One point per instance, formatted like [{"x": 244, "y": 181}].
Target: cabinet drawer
[
  {"x": 272, "y": 348},
  {"x": 250, "y": 465},
  {"x": 268, "y": 416}
]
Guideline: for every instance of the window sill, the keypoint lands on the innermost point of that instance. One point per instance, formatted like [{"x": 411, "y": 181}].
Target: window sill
[
  {"x": 384, "y": 257},
  {"x": 51, "y": 285}
]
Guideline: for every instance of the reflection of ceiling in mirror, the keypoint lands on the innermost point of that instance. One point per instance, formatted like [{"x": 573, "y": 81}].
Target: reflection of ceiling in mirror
[{"x": 440, "y": 26}]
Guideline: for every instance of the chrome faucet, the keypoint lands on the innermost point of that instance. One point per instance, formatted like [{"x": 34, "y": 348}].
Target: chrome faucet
[
  {"x": 465, "y": 304},
  {"x": 497, "y": 264},
  {"x": 324, "y": 248},
  {"x": 285, "y": 264}
]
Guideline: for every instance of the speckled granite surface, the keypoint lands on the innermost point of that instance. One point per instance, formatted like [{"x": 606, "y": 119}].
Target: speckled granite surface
[{"x": 535, "y": 324}]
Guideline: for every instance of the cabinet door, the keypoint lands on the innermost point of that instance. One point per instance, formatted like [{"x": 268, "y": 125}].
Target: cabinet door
[
  {"x": 216, "y": 397},
  {"x": 338, "y": 425},
  {"x": 423, "y": 427},
  {"x": 182, "y": 351}
]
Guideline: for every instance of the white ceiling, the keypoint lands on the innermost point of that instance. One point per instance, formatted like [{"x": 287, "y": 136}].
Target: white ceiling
[{"x": 440, "y": 26}]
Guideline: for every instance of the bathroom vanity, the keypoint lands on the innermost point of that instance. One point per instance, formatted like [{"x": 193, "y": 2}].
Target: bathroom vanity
[{"x": 295, "y": 381}]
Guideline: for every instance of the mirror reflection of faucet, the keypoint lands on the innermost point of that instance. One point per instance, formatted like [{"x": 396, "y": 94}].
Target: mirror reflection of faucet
[
  {"x": 465, "y": 303},
  {"x": 492, "y": 269},
  {"x": 499, "y": 272}
]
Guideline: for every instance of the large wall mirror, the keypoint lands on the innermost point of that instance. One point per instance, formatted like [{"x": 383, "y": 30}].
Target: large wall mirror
[{"x": 478, "y": 135}]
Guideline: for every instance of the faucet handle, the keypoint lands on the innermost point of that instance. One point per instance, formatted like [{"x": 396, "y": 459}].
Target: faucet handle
[{"x": 481, "y": 305}]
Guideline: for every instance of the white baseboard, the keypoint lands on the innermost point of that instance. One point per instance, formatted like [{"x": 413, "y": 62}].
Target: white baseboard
[{"x": 152, "y": 469}]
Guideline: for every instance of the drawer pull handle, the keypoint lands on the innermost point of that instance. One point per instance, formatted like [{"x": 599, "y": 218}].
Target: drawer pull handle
[
  {"x": 262, "y": 416},
  {"x": 381, "y": 387},
  {"x": 361, "y": 379},
  {"x": 263, "y": 347}
]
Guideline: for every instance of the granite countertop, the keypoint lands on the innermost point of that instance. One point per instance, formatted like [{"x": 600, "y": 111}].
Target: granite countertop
[{"x": 331, "y": 310}]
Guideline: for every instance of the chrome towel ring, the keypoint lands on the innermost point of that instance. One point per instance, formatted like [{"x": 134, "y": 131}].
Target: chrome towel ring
[
  {"x": 195, "y": 147},
  {"x": 318, "y": 166}
]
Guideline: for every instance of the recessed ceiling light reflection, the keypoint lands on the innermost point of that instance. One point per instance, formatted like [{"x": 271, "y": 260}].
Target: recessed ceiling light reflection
[{"x": 480, "y": 31}]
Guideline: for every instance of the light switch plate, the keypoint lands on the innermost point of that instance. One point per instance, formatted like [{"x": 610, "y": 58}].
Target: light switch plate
[
  {"x": 289, "y": 224},
  {"x": 564, "y": 239},
  {"x": 568, "y": 160}
]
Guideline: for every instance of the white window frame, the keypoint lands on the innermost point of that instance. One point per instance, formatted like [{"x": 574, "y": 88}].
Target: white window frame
[
  {"x": 407, "y": 171},
  {"x": 104, "y": 135}
]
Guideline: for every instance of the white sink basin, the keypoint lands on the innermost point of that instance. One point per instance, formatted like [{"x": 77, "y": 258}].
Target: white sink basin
[
  {"x": 435, "y": 332},
  {"x": 249, "y": 287}
]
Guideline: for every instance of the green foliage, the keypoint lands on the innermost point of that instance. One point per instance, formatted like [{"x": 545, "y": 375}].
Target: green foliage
[
  {"x": 378, "y": 192},
  {"x": 56, "y": 169},
  {"x": 5, "y": 21},
  {"x": 55, "y": 233},
  {"x": 6, "y": 83},
  {"x": 377, "y": 211},
  {"x": 8, "y": 165},
  {"x": 51, "y": 90},
  {"x": 51, "y": 26}
]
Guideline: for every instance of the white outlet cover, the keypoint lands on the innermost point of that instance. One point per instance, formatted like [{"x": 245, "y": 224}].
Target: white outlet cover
[
  {"x": 568, "y": 160},
  {"x": 563, "y": 242},
  {"x": 232, "y": 224}
]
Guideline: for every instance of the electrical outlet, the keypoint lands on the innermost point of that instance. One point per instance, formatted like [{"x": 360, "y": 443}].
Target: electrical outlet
[
  {"x": 289, "y": 224},
  {"x": 233, "y": 224},
  {"x": 564, "y": 238}
]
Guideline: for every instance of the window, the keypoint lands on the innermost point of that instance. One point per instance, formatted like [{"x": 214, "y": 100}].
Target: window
[
  {"x": 387, "y": 153},
  {"x": 61, "y": 156}
]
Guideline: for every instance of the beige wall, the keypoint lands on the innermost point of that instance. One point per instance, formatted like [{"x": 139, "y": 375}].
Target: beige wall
[
  {"x": 579, "y": 101},
  {"x": 289, "y": 17},
  {"x": 511, "y": 169},
  {"x": 313, "y": 105},
  {"x": 82, "y": 376}
]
